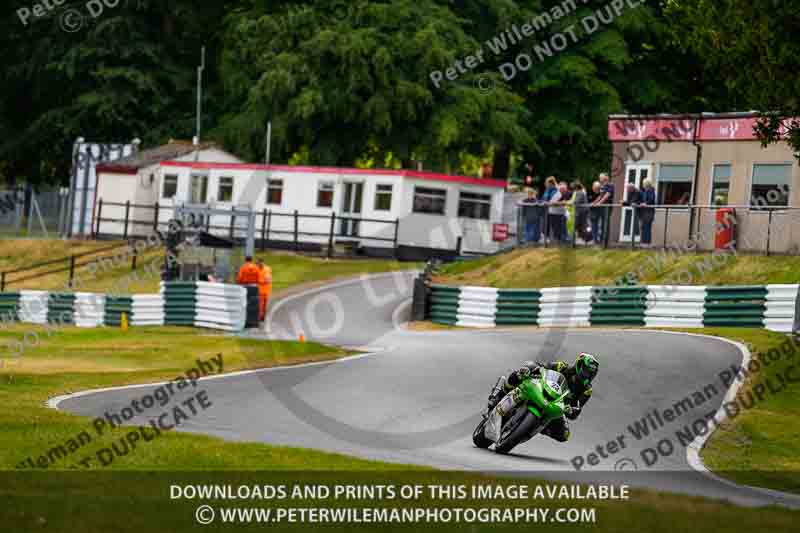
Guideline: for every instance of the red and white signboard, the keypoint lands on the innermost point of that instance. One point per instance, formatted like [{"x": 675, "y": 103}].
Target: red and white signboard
[
  {"x": 499, "y": 232},
  {"x": 677, "y": 129}
]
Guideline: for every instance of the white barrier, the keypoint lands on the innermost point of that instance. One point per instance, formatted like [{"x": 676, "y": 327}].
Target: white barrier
[
  {"x": 675, "y": 306},
  {"x": 780, "y": 308},
  {"x": 220, "y": 306},
  {"x": 147, "y": 310},
  {"x": 565, "y": 307},
  {"x": 33, "y": 307},
  {"x": 89, "y": 309}
]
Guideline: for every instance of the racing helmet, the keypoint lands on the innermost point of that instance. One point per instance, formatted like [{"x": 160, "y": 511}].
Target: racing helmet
[{"x": 586, "y": 367}]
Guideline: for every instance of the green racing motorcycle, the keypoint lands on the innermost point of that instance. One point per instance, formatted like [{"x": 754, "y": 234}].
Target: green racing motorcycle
[{"x": 537, "y": 401}]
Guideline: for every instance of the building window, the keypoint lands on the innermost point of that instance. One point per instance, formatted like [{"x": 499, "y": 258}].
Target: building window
[
  {"x": 383, "y": 198},
  {"x": 325, "y": 194},
  {"x": 199, "y": 191},
  {"x": 225, "y": 191},
  {"x": 170, "y": 186},
  {"x": 429, "y": 201},
  {"x": 675, "y": 184},
  {"x": 275, "y": 192},
  {"x": 720, "y": 184},
  {"x": 771, "y": 185},
  {"x": 475, "y": 205}
]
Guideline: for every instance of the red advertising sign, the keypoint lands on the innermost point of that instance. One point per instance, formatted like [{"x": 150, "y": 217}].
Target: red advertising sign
[
  {"x": 499, "y": 232},
  {"x": 682, "y": 129}
]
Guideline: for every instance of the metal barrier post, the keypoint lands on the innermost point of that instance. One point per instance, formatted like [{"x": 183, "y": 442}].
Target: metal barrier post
[
  {"x": 330, "y": 237},
  {"x": 769, "y": 230},
  {"x": 71, "y": 269},
  {"x": 396, "y": 236},
  {"x": 666, "y": 225},
  {"x": 155, "y": 217},
  {"x": 99, "y": 216},
  {"x": 296, "y": 242},
  {"x": 606, "y": 226},
  {"x": 633, "y": 228},
  {"x": 127, "y": 214},
  {"x": 263, "y": 229}
]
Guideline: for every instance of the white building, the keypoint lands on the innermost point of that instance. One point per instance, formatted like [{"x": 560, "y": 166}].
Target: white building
[{"x": 429, "y": 212}]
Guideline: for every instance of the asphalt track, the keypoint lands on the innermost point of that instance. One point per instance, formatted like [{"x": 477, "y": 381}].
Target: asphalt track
[{"x": 416, "y": 396}]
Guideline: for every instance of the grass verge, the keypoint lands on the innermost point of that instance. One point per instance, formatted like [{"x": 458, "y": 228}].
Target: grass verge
[
  {"x": 548, "y": 268},
  {"x": 288, "y": 269}
]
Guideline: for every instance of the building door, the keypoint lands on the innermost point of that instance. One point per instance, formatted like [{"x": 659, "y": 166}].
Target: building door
[
  {"x": 634, "y": 174},
  {"x": 351, "y": 208}
]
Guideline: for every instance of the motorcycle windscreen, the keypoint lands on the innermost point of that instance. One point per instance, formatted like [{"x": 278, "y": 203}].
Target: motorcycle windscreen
[{"x": 555, "y": 382}]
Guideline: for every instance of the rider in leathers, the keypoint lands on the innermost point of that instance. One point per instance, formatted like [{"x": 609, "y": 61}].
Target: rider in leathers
[{"x": 579, "y": 380}]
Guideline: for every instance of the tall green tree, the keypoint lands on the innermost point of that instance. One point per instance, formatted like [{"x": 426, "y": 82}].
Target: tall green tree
[
  {"x": 753, "y": 43},
  {"x": 342, "y": 79}
]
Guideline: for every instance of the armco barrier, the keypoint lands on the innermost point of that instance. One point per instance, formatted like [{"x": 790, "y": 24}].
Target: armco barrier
[
  {"x": 115, "y": 307},
  {"x": 89, "y": 310},
  {"x": 147, "y": 310},
  {"x": 180, "y": 302},
  {"x": 672, "y": 306},
  {"x": 33, "y": 307},
  {"x": 765, "y": 306},
  {"x": 781, "y": 304},
  {"x": 221, "y": 306},
  {"x": 195, "y": 304},
  {"x": 619, "y": 306},
  {"x": 9, "y": 307},
  {"x": 735, "y": 306},
  {"x": 565, "y": 307}
]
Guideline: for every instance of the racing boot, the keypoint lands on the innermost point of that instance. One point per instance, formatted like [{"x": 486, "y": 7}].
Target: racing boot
[{"x": 497, "y": 393}]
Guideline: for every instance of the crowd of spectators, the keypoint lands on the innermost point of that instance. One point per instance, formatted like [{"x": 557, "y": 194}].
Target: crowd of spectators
[{"x": 564, "y": 211}]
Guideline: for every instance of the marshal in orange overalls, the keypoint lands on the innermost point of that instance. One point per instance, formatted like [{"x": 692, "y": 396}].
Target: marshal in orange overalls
[{"x": 264, "y": 287}]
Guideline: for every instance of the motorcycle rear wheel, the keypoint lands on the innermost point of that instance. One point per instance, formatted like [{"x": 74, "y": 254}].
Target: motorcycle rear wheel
[
  {"x": 517, "y": 431},
  {"x": 479, "y": 438}
]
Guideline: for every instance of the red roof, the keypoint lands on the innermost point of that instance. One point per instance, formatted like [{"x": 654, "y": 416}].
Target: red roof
[{"x": 411, "y": 174}]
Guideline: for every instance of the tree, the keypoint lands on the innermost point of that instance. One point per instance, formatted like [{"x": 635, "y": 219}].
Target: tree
[
  {"x": 342, "y": 80},
  {"x": 752, "y": 43}
]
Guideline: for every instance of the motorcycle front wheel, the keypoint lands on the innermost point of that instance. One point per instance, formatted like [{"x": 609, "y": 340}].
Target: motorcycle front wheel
[
  {"x": 479, "y": 438},
  {"x": 516, "y": 431}
]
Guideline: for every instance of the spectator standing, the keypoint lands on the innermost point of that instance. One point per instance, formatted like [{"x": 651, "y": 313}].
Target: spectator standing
[
  {"x": 581, "y": 201},
  {"x": 605, "y": 202},
  {"x": 647, "y": 213},
  {"x": 530, "y": 217},
  {"x": 633, "y": 201},
  {"x": 595, "y": 212},
  {"x": 555, "y": 210},
  {"x": 569, "y": 211}
]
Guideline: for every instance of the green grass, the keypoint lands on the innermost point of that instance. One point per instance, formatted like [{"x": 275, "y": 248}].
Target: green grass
[
  {"x": 566, "y": 267},
  {"x": 288, "y": 269},
  {"x": 760, "y": 446},
  {"x": 75, "y": 360}
]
